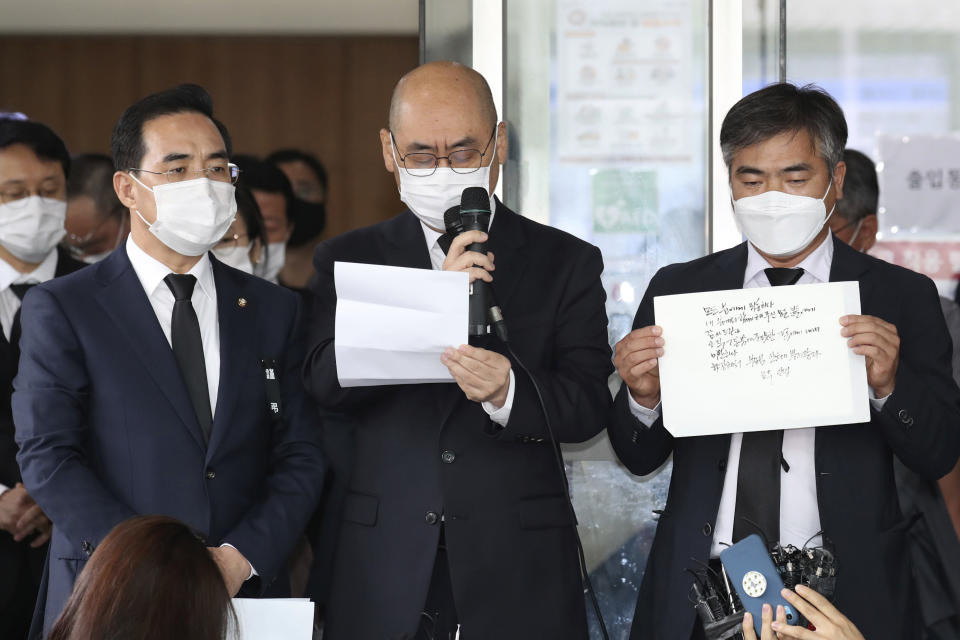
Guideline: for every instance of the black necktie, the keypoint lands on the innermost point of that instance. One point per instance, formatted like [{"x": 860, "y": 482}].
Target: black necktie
[
  {"x": 19, "y": 290},
  {"x": 188, "y": 348},
  {"x": 761, "y": 454}
]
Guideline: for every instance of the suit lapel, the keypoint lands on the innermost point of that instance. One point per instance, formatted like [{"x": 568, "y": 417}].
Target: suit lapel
[
  {"x": 124, "y": 300},
  {"x": 507, "y": 239},
  {"x": 237, "y": 337},
  {"x": 851, "y": 265},
  {"x": 404, "y": 242}
]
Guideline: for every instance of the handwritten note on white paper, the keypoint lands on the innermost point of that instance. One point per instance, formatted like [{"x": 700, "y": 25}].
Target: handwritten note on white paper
[
  {"x": 758, "y": 359},
  {"x": 394, "y": 322},
  {"x": 272, "y": 619}
]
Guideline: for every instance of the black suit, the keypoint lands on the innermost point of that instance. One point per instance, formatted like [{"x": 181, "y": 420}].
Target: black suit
[
  {"x": 509, "y": 536},
  {"x": 859, "y": 511},
  {"x": 20, "y": 566}
]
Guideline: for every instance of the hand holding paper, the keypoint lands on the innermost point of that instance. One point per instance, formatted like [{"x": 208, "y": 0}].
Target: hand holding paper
[
  {"x": 635, "y": 358},
  {"x": 880, "y": 343},
  {"x": 771, "y": 358}
]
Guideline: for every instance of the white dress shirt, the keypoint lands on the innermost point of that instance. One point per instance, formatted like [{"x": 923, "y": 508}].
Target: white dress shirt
[
  {"x": 798, "y": 488},
  {"x": 10, "y": 303},
  {"x": 151, "y": 273},
  {"x": 502, "y": 415}
]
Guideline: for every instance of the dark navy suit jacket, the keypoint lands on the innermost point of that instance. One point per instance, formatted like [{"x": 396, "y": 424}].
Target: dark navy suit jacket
[
  {"x": 856, "y": 494},
  {"x": 107, "y": 431}
]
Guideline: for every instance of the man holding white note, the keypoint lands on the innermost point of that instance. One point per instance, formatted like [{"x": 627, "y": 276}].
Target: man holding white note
[
  {"x": 783, "y": 147},
  {"x": 457, "y": 515}
]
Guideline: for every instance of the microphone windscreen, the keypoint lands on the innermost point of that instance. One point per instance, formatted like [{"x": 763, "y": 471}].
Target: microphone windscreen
[
  {"x": 451, "y": 220},
  {"x": 475, "y": 200}
]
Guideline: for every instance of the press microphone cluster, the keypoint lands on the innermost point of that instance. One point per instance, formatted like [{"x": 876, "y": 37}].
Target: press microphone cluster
[{"x": 473, "y": 214}]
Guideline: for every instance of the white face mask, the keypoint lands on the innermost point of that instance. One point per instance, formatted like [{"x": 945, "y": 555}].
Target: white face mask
[
  {"x": 269, "y": 268},
  {"x": 430, "y": 196},
  {"x": 781, "y": 224},
  {"x": 237, "y": 257},
  {"x": 30, "y": 228},
  {"x": 192, "y": 215}
]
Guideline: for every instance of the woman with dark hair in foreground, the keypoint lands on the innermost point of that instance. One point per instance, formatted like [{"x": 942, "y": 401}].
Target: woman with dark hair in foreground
[{"x": 150, "y": 578}]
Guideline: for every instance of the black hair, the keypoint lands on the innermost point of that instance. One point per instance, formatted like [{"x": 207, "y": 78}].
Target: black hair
[
  {"x": 861, "y": 192},
  {"x": 38, "y": 137},
  {"x": 295, "y": 155},
  {"x": 126, "y": 143},
  {"x": 259, "y": 175},
  {"x": 249, "y": 210},
  {"x": 91, "y": 175},
  {"x": 784, "y": 108}
]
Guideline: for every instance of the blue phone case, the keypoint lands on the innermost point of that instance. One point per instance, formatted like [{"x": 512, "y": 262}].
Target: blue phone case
[{"x": 755, "y": 578}]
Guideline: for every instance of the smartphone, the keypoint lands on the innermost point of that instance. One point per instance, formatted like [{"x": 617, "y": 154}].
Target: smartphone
[{"x": 755, "y": 578}]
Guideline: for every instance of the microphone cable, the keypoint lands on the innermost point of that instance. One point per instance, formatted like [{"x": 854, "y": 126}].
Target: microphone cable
[{"x": 500, "y": 327}]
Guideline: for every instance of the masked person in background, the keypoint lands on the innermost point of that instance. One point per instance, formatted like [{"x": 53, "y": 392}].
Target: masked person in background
[
  {"x": 457, "y": 515},
  {"x": 783, "y": 146},
  {"x": 242, "y": 246},
  {"x": 274, "y": 196},
  {"x": 34, "y": 169},
  {"x": 96, "y": 219},
  {"x": 308, "y": 178},
  {"x": 161, "y": 381}
]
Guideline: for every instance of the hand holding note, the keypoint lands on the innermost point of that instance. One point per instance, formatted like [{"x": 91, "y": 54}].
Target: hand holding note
[
  {"x": 635, "y": 358},
  {"x": 880, "y": 343}
]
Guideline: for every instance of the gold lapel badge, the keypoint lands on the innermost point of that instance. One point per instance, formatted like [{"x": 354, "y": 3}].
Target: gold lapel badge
[{"x": 242, "y": 303}]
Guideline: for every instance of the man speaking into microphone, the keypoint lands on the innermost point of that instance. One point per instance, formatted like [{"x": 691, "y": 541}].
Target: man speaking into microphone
[{"x": 457, "y": 516}]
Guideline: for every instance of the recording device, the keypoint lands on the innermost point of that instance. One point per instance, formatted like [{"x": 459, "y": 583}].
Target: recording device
[
  {"x": 719, "y": 604},
  {"x": 755, "y": 578},
  {"x": 473, "y": 214}
]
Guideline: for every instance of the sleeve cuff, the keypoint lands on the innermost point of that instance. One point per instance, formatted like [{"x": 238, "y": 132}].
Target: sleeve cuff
[
  {"x": 502, "y": 415},
  {"x": 875, "y": 402},
  {"x": 646, "y": 416},
  {"x": 253, "y": 572},
  {"x": 3, "y": 489}
]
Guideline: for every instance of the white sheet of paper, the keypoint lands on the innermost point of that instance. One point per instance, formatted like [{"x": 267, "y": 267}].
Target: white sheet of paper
[
  {"x": 760, "y": 359},
  {"x": 394, "y": 322},
  {"x": 272, "y": 619}
]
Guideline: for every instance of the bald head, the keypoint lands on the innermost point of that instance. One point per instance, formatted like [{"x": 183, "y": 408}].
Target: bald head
[{"x": 442, "y": 84}]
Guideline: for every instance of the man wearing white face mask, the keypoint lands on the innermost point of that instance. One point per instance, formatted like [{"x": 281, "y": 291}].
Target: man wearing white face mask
[
  {"x": 34, "y": 166},
  {"x": 783, "y": 147},
  {"x": 456, "y": 514},
  {"x": 161, "y": 381}
]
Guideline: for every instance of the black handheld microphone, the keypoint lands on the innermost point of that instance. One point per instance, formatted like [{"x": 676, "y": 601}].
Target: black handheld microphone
[{"x": 473, "y": 214}]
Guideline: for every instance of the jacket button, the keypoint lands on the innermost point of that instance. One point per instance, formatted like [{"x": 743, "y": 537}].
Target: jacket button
[
  {"x": 448, "y": 457},
  {"x": 905, "y": 417},
  {"x": 431, "y": 517},
  {"x": 211, "y": 474},
  {"x": 87, "y": 547},
  {"x": 707, "y": 529}
]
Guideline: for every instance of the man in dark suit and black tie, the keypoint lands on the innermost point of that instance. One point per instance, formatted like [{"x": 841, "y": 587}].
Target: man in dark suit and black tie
[
  {"x": 34, "y": 165},
  {"x": 457, "y": 514},
  {"x": 162, "y": 381},
  {"x": 783, "y": 146}
]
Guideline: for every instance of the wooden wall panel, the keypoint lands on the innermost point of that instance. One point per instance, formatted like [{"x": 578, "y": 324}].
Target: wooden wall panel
[{"x": 327, "y": 95}]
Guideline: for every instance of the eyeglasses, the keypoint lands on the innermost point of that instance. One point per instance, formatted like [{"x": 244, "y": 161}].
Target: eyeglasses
[
  {"x": 422, "y": 165},
  {"x": 17, "y": 197},
  {"x": 228, "y": 172}
]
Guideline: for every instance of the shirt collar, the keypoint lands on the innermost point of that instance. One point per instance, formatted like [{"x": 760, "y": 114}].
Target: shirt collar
[
  {"x": 46, "y": 270},
  {"x": 817, "y": 264},
  {"x": 432, "y": 235},
  {"x": 151, "y": 271}
]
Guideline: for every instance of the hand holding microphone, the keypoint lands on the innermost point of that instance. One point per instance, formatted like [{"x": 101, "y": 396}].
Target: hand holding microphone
[{"x": 461, "y": 258}]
